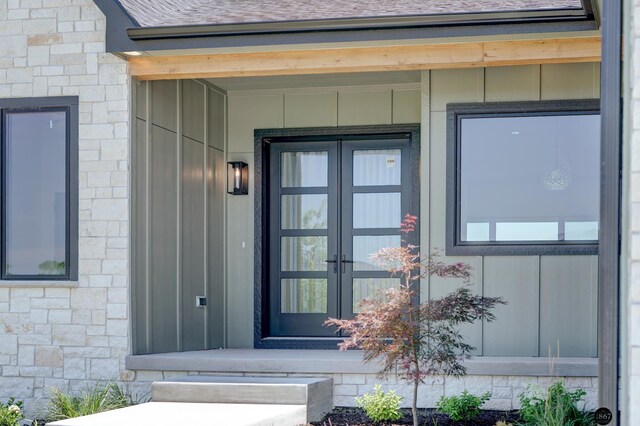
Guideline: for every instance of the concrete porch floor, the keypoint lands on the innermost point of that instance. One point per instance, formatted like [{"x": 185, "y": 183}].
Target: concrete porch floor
[
  {"x": 180, "y": 413},
  {"x": 275, "y": 361}
]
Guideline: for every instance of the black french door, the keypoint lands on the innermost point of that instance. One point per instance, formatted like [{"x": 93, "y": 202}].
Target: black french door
[{"x": 332, "y": 203}]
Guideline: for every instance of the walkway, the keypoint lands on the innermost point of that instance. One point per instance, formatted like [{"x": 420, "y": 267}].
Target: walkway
[{"x": 181, "y": 413}]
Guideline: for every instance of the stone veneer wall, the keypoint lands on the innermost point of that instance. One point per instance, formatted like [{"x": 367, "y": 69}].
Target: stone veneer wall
[
  {"x": 505, "y": 390},
  {"x": 55, "y": 333}
]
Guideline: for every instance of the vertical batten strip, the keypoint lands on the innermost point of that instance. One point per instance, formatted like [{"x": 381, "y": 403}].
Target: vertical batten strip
[
  {"x": 392, "y": 93},
  {"x": 205, "y": 217},
  {"x": 539, "y": 258},
  {"x": 425, "y": 172},
  {"x": 480, "y": 264},
  {"x": 225, "y": 290},
  {"x": 482, "y": 323},
  {"x": 179, "y": 126},
  {"x": 147, "y": 241},
  {"x": 225, "y": 229},
  {"x": 539, "y": 337}
]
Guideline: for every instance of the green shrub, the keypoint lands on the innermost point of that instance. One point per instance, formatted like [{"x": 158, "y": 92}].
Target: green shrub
[
  {"x": 556, "y": 407},
  {"x": 381, "y": 406},
  {"x": 11, "y": 412},
  {"x": 99, "y": 398},
  {"x": 463, "y": 407}
]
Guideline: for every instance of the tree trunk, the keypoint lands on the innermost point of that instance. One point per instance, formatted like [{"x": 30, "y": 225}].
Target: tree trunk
[{"x": 414, "y": 405}]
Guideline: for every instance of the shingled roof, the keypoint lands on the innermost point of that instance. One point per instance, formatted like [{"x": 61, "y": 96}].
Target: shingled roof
[{"x": 158, "y": 13}]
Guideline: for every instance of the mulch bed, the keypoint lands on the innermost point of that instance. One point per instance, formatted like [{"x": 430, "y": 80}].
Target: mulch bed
[{"x": 343, "y": 416}]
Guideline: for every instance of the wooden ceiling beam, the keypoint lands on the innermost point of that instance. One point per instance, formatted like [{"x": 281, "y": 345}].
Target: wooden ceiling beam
[{"x": 368, "y": 59}]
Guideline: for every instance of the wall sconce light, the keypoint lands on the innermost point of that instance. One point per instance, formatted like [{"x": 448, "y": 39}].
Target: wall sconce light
[{"x": 237, "y": 178}]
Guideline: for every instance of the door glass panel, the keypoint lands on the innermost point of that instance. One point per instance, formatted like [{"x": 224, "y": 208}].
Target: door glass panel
[
  {"x": 306, "y": 211},
  {"x": 304, "y": 253},
  {"x": 303, "y": 296},
  {"x": 377, "y": 210},
  {"x": 376, "y": 167},
  {"x": 365, "y": 246},
  {"x": 364, "y": 288},
  {"x": 305, "y": 169}
]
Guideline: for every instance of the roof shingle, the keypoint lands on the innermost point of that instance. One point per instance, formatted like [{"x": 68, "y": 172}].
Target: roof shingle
[{"x": 152, "y": 13}]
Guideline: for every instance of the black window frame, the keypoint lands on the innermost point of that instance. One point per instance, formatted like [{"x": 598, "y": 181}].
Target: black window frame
[
  {"x": 262, "y": 139},
  {"x": 69, "y": 104},
  {"x": 455, "y": 113}
]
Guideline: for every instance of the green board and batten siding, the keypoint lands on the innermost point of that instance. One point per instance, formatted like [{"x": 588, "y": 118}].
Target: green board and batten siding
[
  {"x": 268, "y": 109},
  {"x": 552, "y": 298},
  {"x": 178, "y": 213}
]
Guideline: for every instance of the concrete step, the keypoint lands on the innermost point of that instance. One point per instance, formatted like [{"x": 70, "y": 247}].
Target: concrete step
[
  {"x": 182, "y": 413},
  {"x": 315, "y": 394}
]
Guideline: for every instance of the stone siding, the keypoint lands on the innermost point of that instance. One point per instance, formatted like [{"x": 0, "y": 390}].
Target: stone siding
[{"x": 59, "y": 333}]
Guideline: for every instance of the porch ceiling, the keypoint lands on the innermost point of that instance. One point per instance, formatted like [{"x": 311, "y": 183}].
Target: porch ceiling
[{"x": 369, "y": 59}]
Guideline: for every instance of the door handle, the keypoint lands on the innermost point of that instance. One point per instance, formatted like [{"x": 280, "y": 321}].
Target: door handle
[
  {"x": 344, "y": 261},
  {"x": 335, "y": 263}
]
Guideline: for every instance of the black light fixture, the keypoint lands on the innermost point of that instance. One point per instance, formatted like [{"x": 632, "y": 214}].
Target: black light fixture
[{"x": 237, "y": 178}]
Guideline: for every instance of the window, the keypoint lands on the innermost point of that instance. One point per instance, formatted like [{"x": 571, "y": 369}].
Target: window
[
  {"x": 39, "y": 188},
  {"x": 523, "y": 178}
]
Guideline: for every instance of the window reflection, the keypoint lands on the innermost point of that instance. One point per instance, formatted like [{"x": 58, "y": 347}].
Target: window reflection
[
  {"x": 35, "y": 193},
  {"x": 366, "y": 288},
  {"x": 303, "y": 296},
  {"x": 377, "y": 210},
  {"x": 306, "y": 211},
  {"x": 304, "y": 253},
  {"x": 304, "y": 169},
  {"x": 376, "y": 167},
  {"x": 365, "y": 246},
  {"x": 529, "y": 178}
]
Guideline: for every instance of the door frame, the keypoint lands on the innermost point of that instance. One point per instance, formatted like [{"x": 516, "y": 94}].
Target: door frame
[{"x": 262, "y": 138}]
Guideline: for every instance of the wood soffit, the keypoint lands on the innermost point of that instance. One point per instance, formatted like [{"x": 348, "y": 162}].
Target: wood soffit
[{"x": 368, "y": 59}]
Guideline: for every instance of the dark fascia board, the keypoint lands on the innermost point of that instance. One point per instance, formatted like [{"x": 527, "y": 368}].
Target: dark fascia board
[
  {"x": 593, "y": 7},
  {"x": 118, "y": 20},
  {"x": 122, "y": 43},
  {"x": 373, "y": 23},
  {"x": 125, "y": 34}
]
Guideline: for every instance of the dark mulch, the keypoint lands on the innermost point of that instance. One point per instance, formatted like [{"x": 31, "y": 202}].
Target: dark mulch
[{"x": 343, "y": 416}]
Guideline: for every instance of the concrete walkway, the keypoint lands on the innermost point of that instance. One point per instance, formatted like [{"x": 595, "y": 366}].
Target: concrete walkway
[{"x": 184, "y": 413}]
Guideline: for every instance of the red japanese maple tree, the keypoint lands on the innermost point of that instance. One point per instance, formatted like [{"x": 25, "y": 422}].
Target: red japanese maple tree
[{"x": 419, "y": 339}]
